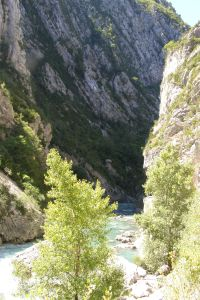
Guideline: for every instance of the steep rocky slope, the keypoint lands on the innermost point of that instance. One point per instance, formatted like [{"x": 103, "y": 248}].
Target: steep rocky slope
[
  {"x": 92, "y": 70},
  {"x": 179, "y": 121},
  {"x": 20, "y": 217}
]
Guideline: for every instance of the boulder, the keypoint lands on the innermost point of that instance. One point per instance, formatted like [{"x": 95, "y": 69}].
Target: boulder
[
  {"x": 129, "y": 234},
  {"x": 157, "y": 295},
  {"x": 123, "y": 239},
  {"x": 141, "y": 289},
  {"x": 141, "y": 272},
  {"x": 164, "y": 270}
]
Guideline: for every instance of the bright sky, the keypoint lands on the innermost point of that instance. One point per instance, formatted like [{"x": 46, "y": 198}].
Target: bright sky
[{"x": 188, "y": 9}]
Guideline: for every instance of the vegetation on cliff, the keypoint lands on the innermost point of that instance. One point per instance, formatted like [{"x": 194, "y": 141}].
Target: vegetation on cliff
[
  {"x": 184, "y": 81},
  {"x": 167, "y": 10},
  {"x": 22, "y": 152}
]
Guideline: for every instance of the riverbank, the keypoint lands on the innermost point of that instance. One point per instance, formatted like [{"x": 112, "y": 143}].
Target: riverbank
[
  {"x": 9, "y": 252},
  {"x": 138, "y": 284}
]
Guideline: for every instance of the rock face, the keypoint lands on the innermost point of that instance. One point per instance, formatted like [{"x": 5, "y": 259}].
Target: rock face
[
  {"x": 179, "y": 121},
  {"x": 20, "y": 218},
  {"x": 92, "y": 69},
  {"x": 11, "y": 34}
]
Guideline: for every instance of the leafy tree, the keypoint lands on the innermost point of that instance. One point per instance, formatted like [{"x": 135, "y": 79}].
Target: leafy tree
[
  {"x": 170, "y": 183},
  {"x": 183, "y": 283},
  {"x": 75, "y": 261}
]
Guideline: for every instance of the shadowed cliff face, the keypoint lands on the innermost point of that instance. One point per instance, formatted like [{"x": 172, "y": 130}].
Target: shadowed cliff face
[{"x": 92, "y": 70}]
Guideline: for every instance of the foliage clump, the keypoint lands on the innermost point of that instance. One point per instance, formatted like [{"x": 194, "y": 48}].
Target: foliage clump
[
  {"x": 166, "y": 10},
  {"x": 190, "y": 41},
  {"x": 107, "y": 33}
]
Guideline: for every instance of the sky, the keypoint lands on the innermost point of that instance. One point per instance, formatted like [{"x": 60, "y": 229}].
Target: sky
[{"x": 188, "y": 9}]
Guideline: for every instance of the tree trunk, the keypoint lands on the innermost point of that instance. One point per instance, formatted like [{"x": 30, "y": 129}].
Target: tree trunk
[{"x": 77, "y": 267}]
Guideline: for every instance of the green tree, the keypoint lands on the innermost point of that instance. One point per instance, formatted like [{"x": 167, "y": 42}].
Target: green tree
[
  {"x": 75, "y": 261},
  {"x": 183, "y": 283},
  {"x": 170, "y": 183}
]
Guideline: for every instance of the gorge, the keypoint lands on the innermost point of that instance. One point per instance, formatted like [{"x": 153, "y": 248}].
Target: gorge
[
  {"x": 110, "y": 84},
  {"x": 84, "y": 76}
]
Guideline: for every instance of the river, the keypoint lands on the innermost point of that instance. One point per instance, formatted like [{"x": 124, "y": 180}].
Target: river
[{"x": 8, "y": 284}]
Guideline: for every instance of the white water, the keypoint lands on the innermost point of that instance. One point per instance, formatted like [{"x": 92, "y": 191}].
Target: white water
[{"x": 8, "y": 283}]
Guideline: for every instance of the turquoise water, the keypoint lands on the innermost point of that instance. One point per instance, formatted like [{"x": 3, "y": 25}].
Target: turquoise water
[
  {"x": 8, "y": 284},
  {"x": 117, "y": 227}
]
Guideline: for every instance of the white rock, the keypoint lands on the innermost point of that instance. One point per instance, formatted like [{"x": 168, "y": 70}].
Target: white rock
[
  {"x": 158, "y": 295},
  {"x": 141, "y": 289},
  {"x": 164, "y": 270},
  {"x": 141, "y": 272}
]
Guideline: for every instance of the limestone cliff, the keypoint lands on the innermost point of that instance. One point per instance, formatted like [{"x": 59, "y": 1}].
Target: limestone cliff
[
  {"x": 91, "y": 69},
  {"x": 179, "y": 121}
]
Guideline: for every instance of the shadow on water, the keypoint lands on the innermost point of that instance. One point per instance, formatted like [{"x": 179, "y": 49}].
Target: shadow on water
[{"x": 126, "y": 209}]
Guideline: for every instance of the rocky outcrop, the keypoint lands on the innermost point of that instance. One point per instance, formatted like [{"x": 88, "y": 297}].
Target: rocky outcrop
[
  {"x": 42, "y": 130},
  {"x": 92, "y": 70},
  {"x": 20, "y": 217},
  {"x": 179, "y": 119},
  {"x": 11, "y": 35}
]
